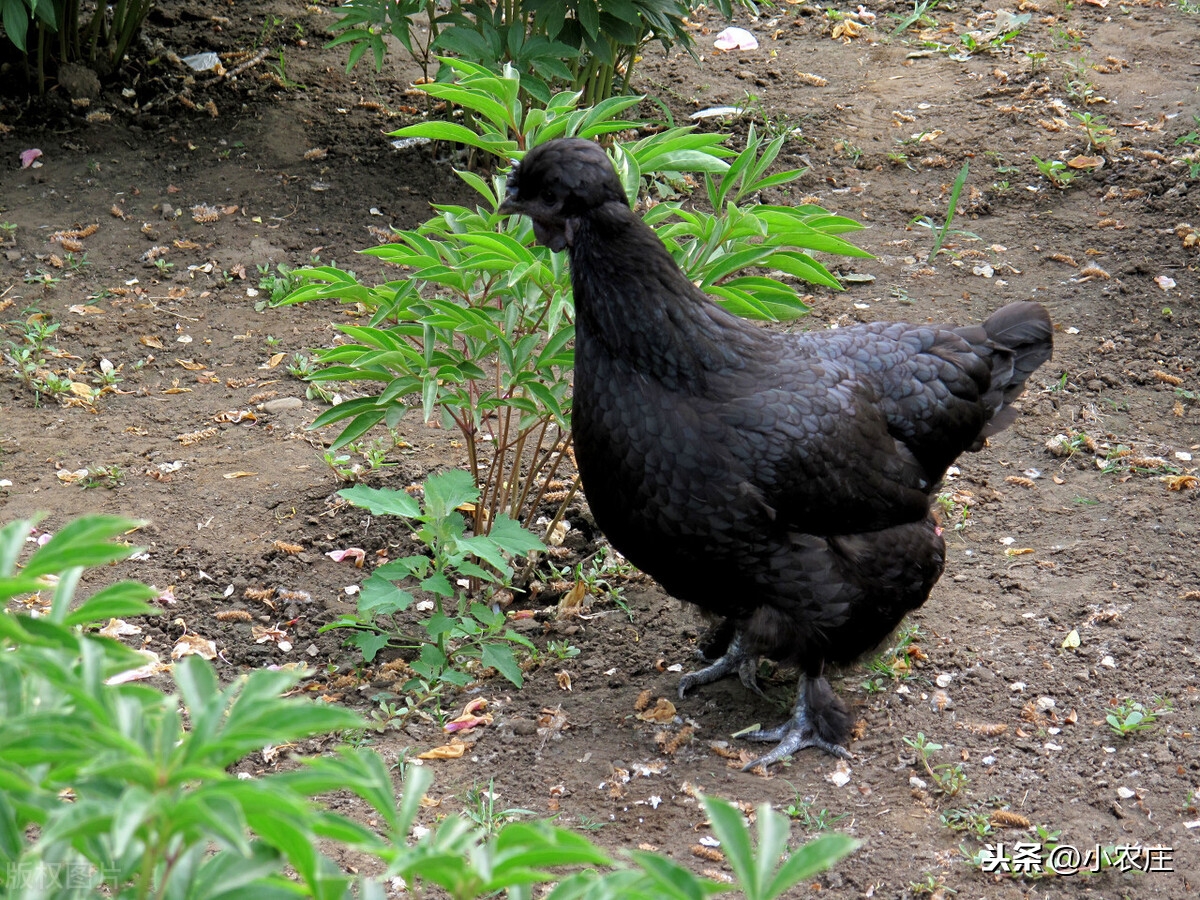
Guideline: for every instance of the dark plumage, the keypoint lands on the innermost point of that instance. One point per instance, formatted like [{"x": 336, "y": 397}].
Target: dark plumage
[{"x": 780, "y": 482}]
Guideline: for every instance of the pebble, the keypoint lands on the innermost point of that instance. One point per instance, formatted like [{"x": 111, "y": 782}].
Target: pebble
[
  {"x": 281, "y": 404},
  {"x": 918, "y": 783},
  {"x": 1108, "y": 662},
  {"x": 1045, "y": 703},
  {"x": 1125, "y": 793}
]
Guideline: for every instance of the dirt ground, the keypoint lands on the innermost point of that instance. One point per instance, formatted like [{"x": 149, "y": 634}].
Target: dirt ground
[{"x": 1072, "y": 582}]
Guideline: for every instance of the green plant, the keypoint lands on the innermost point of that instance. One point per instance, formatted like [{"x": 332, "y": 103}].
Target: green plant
[
  {"x": 276, "y": 286},
  {"x": 589, "y": 46},
  {"x": 1130, "y": 717},
  {"x": 947, "y": 779},
  {"x": 1056, "y": 171},
  {"x": 50, "y": 33},
  {"x": 990, "y": 42},
  {"x": 894, "y": 663},
  {"x": 479, "y": 806},
  {"x": 561, "y": 649},
  {"x": 29, "y": 356},
  {"x": 462, "y": 635},
  {"x": 925, "y": 222},
  {"x": 757, "y": 874},
  {"x": 933, "y": 885},
  {"x": 918, "y": 16},
  {"x": 1094, "y": 126},
  {"x": 803, "y": 810},
  {"x": 975, "y": 820},
  {"x": 163, "y": 265},
  {"x": 105, "y": 791},
  {"x": 103, "y": 476}
]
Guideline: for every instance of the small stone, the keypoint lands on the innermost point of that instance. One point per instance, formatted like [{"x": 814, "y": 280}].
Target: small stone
[
  {"x": 918, "y": 783},
  {"x": 281, "y": 404},
  {"x": 944, "y": 680},
  {"x": 1018, "y": 686},
  {"x": 1125, "y": 793},
  {"x": 1044, "y": 704},
  {"x": 79, "y": 81},
  {"x": 1108, "y": 662}
]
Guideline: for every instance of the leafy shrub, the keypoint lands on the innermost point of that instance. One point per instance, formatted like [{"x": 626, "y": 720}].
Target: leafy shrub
[
  {"x": 589, "y": 46},
  {"x": 459, "y": 630},
  {"x": 104, "y": 792},
  {"x": 481, "y": 327},
  {"x": 61, "y": 31}
]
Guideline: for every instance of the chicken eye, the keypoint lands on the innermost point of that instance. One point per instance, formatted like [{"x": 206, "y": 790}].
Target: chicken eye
[{"x": 549, "y": 195}]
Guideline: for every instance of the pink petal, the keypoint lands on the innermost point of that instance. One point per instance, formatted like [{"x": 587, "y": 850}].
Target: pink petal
[
  {"x": 28, "y": 156},
  {"x": 736, "y": 39}
]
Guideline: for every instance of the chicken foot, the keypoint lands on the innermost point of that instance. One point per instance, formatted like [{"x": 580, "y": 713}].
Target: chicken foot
[
  {"x": 735, "y": 659},
  {"x": 793, "y": 735}
]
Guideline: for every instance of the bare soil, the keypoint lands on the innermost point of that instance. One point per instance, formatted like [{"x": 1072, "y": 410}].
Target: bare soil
[{"x": 1094, "y": 545}]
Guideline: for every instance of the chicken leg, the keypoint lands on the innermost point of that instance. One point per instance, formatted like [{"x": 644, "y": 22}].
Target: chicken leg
[
  {"x": 813, "y": 704},
  {"x": 735, "y": 659}
]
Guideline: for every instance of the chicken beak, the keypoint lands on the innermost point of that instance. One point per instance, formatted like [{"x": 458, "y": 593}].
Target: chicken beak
[{"x": 510, "y": 205}]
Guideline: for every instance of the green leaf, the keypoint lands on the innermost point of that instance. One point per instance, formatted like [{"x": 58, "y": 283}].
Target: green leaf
[
  {"x": 811, "y": 859},
  {"x": 500, "y": 657},
  {"x": 730, "y": 829},
  {"x": 510, "y": 537},
  {"x": 447, "y": 491},
  {"x": 382, "y": 501}
]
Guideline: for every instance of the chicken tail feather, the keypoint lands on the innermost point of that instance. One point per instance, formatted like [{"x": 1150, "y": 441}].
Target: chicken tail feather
[{"x": 1023, "y": 338}]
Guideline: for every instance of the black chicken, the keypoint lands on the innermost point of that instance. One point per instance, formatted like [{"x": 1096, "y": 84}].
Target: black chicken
[{"x": 781, "y": 482}]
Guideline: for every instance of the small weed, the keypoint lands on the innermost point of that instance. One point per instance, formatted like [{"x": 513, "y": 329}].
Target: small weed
[
  {"x": 932, "y": 885},
  {"x": 919, "y": 16},
  {"x": 76, "y": 263},
  {"x": 1097, "y": 134},
  {"x": 974, "y": 820},
  {"x": 803, "y": 810},
  {"x": 954, "y": 507},
  {"x": 163, "y": 265},
  {"x": 479, "y": 806},
  {"x": 1064, "y": 39},
  {"x": 895, "y": 663},
  {"x": 852, "y": 152},
  {"x": 562, "y": 650},
  {"x": 1056, "y": 172},
  {"x": 587, "y": 823},
  {"x": 1130, "y": 717},
  {"x": 952, "y": 207},
  {"x": 947, "y": 779},
  {"x": 276, "y": 286},
  {"x": 108, "y": 477}
]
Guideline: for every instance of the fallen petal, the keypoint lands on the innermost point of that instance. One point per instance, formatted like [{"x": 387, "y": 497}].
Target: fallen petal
[{"x": 736, "y": 39}]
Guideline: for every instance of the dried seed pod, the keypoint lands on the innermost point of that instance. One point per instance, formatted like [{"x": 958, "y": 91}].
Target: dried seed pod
[
  {"x": 1002, "y": 818},
  {"x": 712, "y": 854}
]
